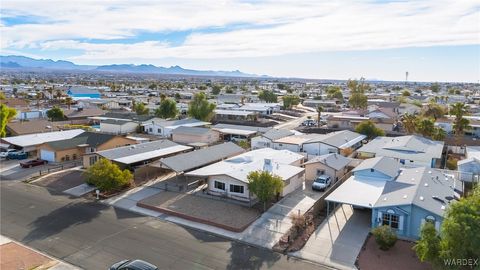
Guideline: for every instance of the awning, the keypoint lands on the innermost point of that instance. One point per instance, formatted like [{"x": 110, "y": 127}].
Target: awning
[{"x": 358, "y": 192}]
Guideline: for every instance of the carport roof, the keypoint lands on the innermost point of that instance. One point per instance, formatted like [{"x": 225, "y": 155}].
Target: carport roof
[
  {"x": 363, "y": 193},
  {"x": 192, "y": 160},
  {"x": 39, "y": 138}
]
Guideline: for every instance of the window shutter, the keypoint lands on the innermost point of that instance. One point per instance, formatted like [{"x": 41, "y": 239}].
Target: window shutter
[
  {"x": 379, "y": 217},
  {"x": 400, "y": 223}
]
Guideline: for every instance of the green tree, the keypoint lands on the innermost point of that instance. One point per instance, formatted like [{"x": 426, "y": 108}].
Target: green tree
[
  {"x": 358, "y": 99},
  {"x": 409, "y": 122},
  {"x": 199, "y": 108},
  {"x": 2, "y": 96},
  {"x": 460, "y": 124},
  {"x": 55, "y": 114},
  {"x": 265, "y": 186},
  {"x": 369, "y": 129},
  {"x": 406, "y": 93},
  {"x": 268, "y": 96},
  {"x": 425, "y": 127},
  {"x": 202, "y": 87},
  {"x": 216, "y": 89},
  {"x": 68, "y": 101},
  {"x": 6, "y": 114},
  {"x": 167, "y": 109},
  {"x": 334, "y": 92},
  {"x": 319, "y": 110},
  {"x": 434, "y": 111},
  {"x": 435, "y": 87},
  {"x": 385, "y": 237},
  {"x": 428, "y": 247},
  {"x": 107, "y": 176},
  {"x": 439, "y": 134},
  {"x": 289, "y": 101},
  {"x": 460, "y": 233},
  {"x": 140, "y": 108}
]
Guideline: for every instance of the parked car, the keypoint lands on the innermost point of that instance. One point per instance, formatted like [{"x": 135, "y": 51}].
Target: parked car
[
  {"x": 17, "y": 155},
  {"x": 322, "y": 182},
  {"x": 133, "y": 265},
  {"x": 33, "y": 163},
  {"x": 309, "y": 123},
  {"x": 4, "y": 153}
]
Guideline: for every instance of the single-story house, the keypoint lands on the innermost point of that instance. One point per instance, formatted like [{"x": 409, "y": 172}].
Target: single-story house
[
  {"x": 17, "y": 128},
  {"x": 81, "y": 92},
  {"x": 139, "y": 154},
  {"x": 403, "y": 199},
  {"x": 29, "y": 143},
  {"x": 266, "y": 139},
  {"x": 187, "y": 135},
  {"x": 162, "y": 127},
  {"x": 333, "y": 165},
  {"x": 229, "y": 177},
  {"x": 75, "y": 148},
  {"x": 234, "y": 115},
  {"x": 410, "y": 150},
  {"x": 82, "y": 115},
  {"x": 341, "y": 142},
  {"x": 116, "y": 126},
  {"x": 238, "y": 132}
]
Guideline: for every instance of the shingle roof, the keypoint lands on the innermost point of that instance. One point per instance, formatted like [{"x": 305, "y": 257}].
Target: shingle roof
[
  {"x": 192, "y": 160},
  {"x": 91, "y": 139},
  {"x": 332, "y": 160}
]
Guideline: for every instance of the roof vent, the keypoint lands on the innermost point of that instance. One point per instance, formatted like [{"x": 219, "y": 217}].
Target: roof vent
[
  {"x": 421, "y": 198},
  {"x": 442, "y": 207},
  {"x": 405, "y": 196},
  {"x": 426, "y": 184},
  {"x": 384, "y": 198},
  {"x": 430, "y": 172},
  {"x": 438, "y": 199}
]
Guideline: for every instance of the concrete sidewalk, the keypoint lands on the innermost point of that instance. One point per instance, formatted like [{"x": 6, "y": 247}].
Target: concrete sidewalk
[
  {"x": 339, "y": 239},
  {"x": 17, "y": 256}
]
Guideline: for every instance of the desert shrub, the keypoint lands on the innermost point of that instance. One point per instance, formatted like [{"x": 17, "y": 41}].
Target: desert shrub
[
  {"x": 452, "y": 163},
  {"x": 385, "y": 237}
]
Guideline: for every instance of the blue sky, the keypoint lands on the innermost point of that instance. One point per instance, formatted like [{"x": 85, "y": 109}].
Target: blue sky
[{"x": 433, "y": 40}]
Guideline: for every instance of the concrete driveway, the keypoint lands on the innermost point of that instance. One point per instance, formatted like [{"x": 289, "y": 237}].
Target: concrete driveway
[{"x": 339, "y": 239}]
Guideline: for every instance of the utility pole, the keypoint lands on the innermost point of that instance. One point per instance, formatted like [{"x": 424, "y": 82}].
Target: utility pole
[{"x": 406, "y": 78}]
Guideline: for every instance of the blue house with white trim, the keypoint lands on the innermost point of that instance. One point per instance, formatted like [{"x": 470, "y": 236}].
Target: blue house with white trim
[
  {"x": 403, "y": 199},
  {"x": 80, "y": 92}
]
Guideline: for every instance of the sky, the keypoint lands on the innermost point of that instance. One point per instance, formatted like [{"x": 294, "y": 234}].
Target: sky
[{"x": 434, "y": 40}]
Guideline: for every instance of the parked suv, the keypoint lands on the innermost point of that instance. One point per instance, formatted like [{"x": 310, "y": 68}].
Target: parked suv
[
  {"x": 322, "y": 182},
  {"x": 17, "y": 155},
  {"x": 5, "y": 153},
  {"x": 133, "y": 265}
]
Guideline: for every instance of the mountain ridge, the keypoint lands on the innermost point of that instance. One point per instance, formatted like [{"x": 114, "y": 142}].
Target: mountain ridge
[{"x": 18, "y": 62}]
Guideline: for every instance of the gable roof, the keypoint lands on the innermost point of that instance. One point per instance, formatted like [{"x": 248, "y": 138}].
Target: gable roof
[
  {"x": 87, "y": 112},
  {"x": 91, "y": 139},
  {"x": 195, "y": 159},
  {"x": 332, "y": 160},
  {"x": 385, "y": 165},
  {"x": 339, "y": 139}
]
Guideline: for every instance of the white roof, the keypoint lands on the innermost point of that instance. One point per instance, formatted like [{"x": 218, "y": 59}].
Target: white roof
[
  {"x": 39, "y": 138},
  {"x": 152, "y": 154},
  {"x": 233, "y": 112},
  {"x": 240, "y": 166},
  {"x": 236, "y": 131},
  {"x": 348, "y": 192}
]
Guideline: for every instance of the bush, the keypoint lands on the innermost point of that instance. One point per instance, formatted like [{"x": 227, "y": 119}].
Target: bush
[
  {"x": 385, "y": 237},
  {"x": 107, "y": 176},
  {"x": 298, "y": 220},
  {"x": 452, "y": 163}
]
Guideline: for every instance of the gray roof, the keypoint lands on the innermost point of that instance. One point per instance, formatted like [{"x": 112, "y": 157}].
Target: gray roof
[
  {"x": 409, "y": 147},
  {"x": 190, "y": 130},
  {"x": 186, "y": 121},
  {"x": 385, "y": 165},
  {"x": 332, "y": 160},
  {"x": 136, "y": 149},
  {"x": 424, "y": 187},
  {"x": 202, "y": 157},
  {"x": 91, "y": 139},
  {"x": 338, "y": 139},
  {"x": 275, "y": 134},
  {"x": 241, "y": 127},
  {"x": 82, "y": 90},
  {"x": 128, "y": 116},
  {"x": 116, "y": 121}
]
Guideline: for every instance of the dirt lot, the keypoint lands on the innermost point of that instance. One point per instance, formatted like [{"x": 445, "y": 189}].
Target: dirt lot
[
  {"x": 15, "y": 256},
  {"x": 62, "y": 181},
  {"x": 209, "y": 211},
  {"x": 400, "y": 257}
]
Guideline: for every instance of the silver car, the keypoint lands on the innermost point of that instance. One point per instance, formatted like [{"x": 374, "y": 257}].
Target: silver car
[{"x": 322, "y": 182}]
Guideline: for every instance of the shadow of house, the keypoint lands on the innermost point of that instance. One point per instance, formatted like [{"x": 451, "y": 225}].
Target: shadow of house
[{"x": 247, "y": 257}]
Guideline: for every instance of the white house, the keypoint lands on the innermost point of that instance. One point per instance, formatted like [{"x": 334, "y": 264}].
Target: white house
[
  {"x": 266, "y": 139},
  {"x": 229, "y": 177},
  {"x": 113, "y": 126},
  {"x": 162, "y": 127}
]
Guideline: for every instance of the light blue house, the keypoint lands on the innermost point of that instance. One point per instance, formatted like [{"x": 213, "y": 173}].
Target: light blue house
[
  {"x": 80, "y": 92},
  {"x": 403, "y": 199}
]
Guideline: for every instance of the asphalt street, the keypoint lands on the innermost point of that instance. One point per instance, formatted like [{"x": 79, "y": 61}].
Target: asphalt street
[{"x": 93, "y": 236}]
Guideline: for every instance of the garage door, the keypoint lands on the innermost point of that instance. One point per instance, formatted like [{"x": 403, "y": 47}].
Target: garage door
[{"x": 47, "y": 155}]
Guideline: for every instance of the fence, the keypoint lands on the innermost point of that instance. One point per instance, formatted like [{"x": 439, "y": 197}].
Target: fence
[
  {"x": 57, "y": 168},
  {"x": 320, "y": 204}
]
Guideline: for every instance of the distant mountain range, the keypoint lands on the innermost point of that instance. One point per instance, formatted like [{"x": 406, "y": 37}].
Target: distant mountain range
[{"x": 15, "y": 62}]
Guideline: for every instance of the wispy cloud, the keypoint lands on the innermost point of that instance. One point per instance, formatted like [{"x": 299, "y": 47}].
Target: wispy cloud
[{"x": 267, "y": 27}]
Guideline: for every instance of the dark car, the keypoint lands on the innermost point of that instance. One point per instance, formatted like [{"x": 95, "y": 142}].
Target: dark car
[
  {"x": 133, "y": 265},
  {"x": 17, "y": 155},
  {"x": 33, "y": 163}
]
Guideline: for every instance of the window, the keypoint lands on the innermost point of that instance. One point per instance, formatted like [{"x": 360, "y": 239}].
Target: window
[
  {"x": 67, "y": 157},
  {"x": 391, "y": 220},
  {"x": 219, "y": 185},
  {"x": 372, "y": 170},
  {"x": 150, "y": 129},
  {"x": 93, "y": 160},
  {"x": 320, "y": 172},
  {"x": 430, "y": 219},
  {"x": 159, "y": 130},
  {"x": 236, "y": 189},
  {"x": 74, "y": 156}
]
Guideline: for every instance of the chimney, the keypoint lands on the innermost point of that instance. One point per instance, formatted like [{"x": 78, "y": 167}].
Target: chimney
[{"x": 267, "y": 165}]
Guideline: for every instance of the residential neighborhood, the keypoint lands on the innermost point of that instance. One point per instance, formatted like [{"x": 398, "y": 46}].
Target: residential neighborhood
[{"x": 349, "y": 140}]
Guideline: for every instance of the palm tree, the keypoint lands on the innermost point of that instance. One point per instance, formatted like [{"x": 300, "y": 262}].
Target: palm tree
[
  {"x": 409, "y": 123},
  {"x": 425, "y": 127},
  {"x": 460, "y": 124},
  {"x": 319, "y": 112},
  {"x": 68, "y": 101}
]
